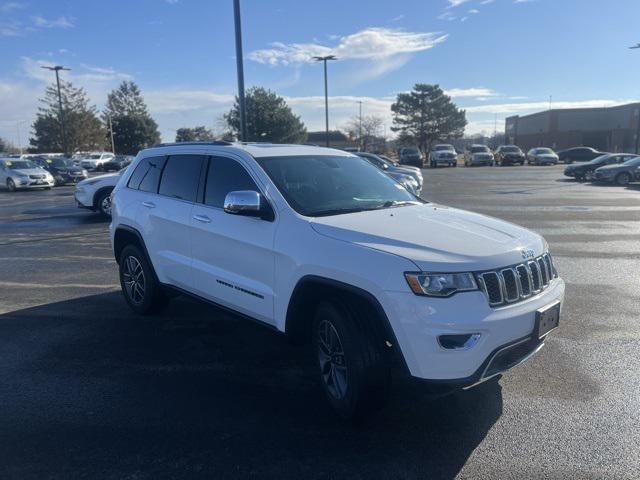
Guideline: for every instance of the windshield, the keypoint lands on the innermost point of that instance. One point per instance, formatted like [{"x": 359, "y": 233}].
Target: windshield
[
  {"x": 410, "y": 151},
  {"x": 60, "y": 162},
  {"x": 480, "y": 149},
  {"x": 634, "y": 162},
  {"x": 510, "y": 149},
  {"x": 599, "y": 160},
  {"x": 20, "y": 164},
  {"x": 543, "y": 151},
  {"x": 318, "y": 185},
  {"x": 441, "y": 148},
  {"x": 94, "y": 156}
]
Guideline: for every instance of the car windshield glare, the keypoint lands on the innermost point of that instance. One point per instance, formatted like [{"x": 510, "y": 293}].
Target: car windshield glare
[
  {"x": 21, "y": 164},
  {"x": 443, "y": 148},
  {"x": 599, "y": 160},
  {"x": 543, "y": 151},
  {"x": 511, "y": 149},
  {"x": 633, "y": 162},
  {"x": 61, "y": 162},
  {"x": 322, "y": 185},
  {"x": 479, "y": 149}
]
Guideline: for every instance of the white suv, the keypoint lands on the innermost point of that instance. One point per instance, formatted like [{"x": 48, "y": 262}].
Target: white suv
[{"x": 321, "y": 245}]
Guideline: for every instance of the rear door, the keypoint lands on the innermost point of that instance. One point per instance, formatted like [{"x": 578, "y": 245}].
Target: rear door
[
  {"x": 165, "y": 215},
  {"x": 233, "y": 259}
]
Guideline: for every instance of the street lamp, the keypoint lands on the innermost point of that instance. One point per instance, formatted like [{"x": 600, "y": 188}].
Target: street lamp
[
  {"x": 326, "y": 93},
  {"x": 56, "y": 69},
  {"x": 240, "y": 68}
]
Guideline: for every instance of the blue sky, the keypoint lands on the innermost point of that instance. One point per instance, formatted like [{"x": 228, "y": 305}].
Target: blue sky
[{"x": 495, "y": 57}]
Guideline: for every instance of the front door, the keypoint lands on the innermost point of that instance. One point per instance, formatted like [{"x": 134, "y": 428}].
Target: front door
[{"x": 233, "y": 260}]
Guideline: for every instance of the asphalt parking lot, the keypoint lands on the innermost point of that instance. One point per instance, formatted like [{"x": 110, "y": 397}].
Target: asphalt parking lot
[{"x": 90, "y": 391}]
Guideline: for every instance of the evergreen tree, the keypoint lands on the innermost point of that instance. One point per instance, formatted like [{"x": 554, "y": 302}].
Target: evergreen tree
[
  {"x": 269, "y": 119},
  {"x": 83, "y": 128},
  {"x": 133, "y": 127}
]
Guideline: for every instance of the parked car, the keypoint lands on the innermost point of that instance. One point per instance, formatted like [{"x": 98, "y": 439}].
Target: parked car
[
  {"x": 411, "y": 156},
  {"x": 117, "y": 163},
  {"x": 18, "y": 174},
  {"x": 95, "y": 193},
  {"x": 478, "y": 155},
  {"x": 443, "y": 155},
  {"x": 390, "y": 168},
  {"x": 509, "y": 155},
  {"x": 95, "y": 160},
  {"x": 578, "y": 154},
  {"x": 622, "y": 174},
  {"x": 584, "y": 171},
  {"x": 316, "y": 244},
  {"x": 62, "y": 169},
  {"x": 542, "y": 156}
]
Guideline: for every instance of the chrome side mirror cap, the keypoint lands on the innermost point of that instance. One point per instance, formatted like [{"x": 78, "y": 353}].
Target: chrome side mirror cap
[{"x": 248, "y": 203}]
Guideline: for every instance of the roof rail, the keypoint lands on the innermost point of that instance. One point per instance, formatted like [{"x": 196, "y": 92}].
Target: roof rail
[{"x": 186, "y": 144}]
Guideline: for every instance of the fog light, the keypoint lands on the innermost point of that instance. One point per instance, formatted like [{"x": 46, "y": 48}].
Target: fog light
[{"x": 459, "y": 342}]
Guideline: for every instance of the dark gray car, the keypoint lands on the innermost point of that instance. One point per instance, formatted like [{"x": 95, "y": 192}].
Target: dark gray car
[
  {"x": 390, "y": 167},
  {"x": 621, "y": 174}
]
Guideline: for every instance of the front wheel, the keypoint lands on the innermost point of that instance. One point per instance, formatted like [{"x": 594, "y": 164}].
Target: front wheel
[
  {"x": 137, "y": 280},
  {"x": 11, "y": 185},
  {"x": 623, "y": 179},
  {"x": 103, "y": 203},
  {"x": 353, "y": 372}
]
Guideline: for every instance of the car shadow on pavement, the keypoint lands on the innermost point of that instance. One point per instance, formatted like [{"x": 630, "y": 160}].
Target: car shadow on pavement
[{"x": 91, "y": 390}]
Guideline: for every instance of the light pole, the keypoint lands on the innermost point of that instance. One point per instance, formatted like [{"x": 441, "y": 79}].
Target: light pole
[
  {"x": 56, "y": 69},
  {"x": 113, "y": 145},
  {"x": 240, "y": 68},
  {"x": 360, "y": 124},
  {"x": 18, "y": 123},
  {"x": 326, "y": 94}
]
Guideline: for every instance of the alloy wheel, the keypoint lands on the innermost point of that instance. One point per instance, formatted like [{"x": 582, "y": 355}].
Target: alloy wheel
[
  {"x": 105, "y": 205},
  {"x": 333, "y": 368},
  {"x": 133, "y": 279},
  {"x": 623, "y": 179},
  {"x": 11, "y": 186}
]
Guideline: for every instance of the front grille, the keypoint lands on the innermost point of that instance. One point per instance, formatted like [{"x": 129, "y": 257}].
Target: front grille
[
  {"x": 517, "y": 282},
  {"x": 36, "y": 177}
]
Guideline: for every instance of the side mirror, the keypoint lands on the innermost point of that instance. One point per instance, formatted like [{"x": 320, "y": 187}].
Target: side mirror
[{"x": 247, "y": 203}]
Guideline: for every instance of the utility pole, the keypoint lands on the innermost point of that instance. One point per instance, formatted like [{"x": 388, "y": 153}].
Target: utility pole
[
  {"x": 57, "y": 69},
  {"x": 495, "y": 130},
  {"x": 113, "y": 145},
  {"x": 19, "y": 136},
  {"x": 326, "y": 94},
  {"x": 360, "y": 127},
  {"x": 240, "y": 68}
]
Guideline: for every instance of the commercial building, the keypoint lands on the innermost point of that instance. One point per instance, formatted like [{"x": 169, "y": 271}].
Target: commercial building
[{"x": 613, "y": 129}]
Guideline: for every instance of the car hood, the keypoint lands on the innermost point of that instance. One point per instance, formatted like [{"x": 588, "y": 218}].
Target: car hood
[
  {"x": 513, "y": 154},
  {"x": 612, "y": 167},
  {"x": 483, "y": 154},
  {"x": 547, "y": 156},
  {"x": 403, "y": 168},
  {"x": 29, "y": 171},
  {"x": 412, "y": 172},
  {"x": 435, "y": 237},
  {"x": 109, "y": 177}
]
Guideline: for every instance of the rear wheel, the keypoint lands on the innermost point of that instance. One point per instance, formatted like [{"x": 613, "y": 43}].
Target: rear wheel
[
  {"x": 623, "y": 178},
  {"x": 137, "y": 280},
  {"x": 103, "y": 202},
  {"x": 353, "y": 372}
]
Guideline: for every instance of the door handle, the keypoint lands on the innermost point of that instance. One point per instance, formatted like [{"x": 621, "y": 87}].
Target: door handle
[
  {"x": 202, "y": 218},
  {"x": 149, "y": 204}
]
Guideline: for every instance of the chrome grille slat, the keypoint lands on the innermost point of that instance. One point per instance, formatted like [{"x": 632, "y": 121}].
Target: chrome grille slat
[{"x": 516, "y": 283}]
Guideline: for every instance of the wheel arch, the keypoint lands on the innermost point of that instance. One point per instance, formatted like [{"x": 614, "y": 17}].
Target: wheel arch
[
  {"x": 312, "y": 289},
  {"x": 98, "y": 193}
]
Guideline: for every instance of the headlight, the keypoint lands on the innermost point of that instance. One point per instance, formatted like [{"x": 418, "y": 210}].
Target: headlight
[
  {"x": 85, "y": 173},
  {"x": 440, "y": 284}
]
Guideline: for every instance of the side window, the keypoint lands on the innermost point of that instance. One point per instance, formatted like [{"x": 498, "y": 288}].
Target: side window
[
  {"x": 224, "y": 176},
  {"x": 181, "y": 176},
  {"x": 146, "y": 174}
]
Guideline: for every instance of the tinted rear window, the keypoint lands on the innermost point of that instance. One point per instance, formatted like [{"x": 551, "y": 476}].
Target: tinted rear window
[
  {"x": 147, "y": 174},
  {"x": 181, "y": 176},
  {"x": 224, "y": 176}
]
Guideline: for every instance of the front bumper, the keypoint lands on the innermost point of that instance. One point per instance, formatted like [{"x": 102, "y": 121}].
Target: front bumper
[
  {"x": 417, "y": 323},
  {"x": 83, "y": 198},
  {"x": 481, "y": 160},
  {"x": 31, "y": 183}
]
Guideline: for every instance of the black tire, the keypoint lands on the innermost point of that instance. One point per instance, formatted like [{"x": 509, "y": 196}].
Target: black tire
[
  {"x": 454, "y": 165},
  {"x": 139, "y": 286},
  {"x": 623, "y": 179},
  {"x": 103, "y": 204},
  {"x": 357, "y": 380},
  {"x": 11, "y": 185}
]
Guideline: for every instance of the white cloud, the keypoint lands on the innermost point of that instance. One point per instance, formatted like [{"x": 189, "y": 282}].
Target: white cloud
[
  {"x": 528, "y": 107},
  {"x": 456, "y": 3},
  {"x": 60, "y": 22},
  {"x": 369, "y": 44},
  {"x": 471, "y": 92},
  {"x": 11, "y": 6},
  {"x": 473, "y": 11}
]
